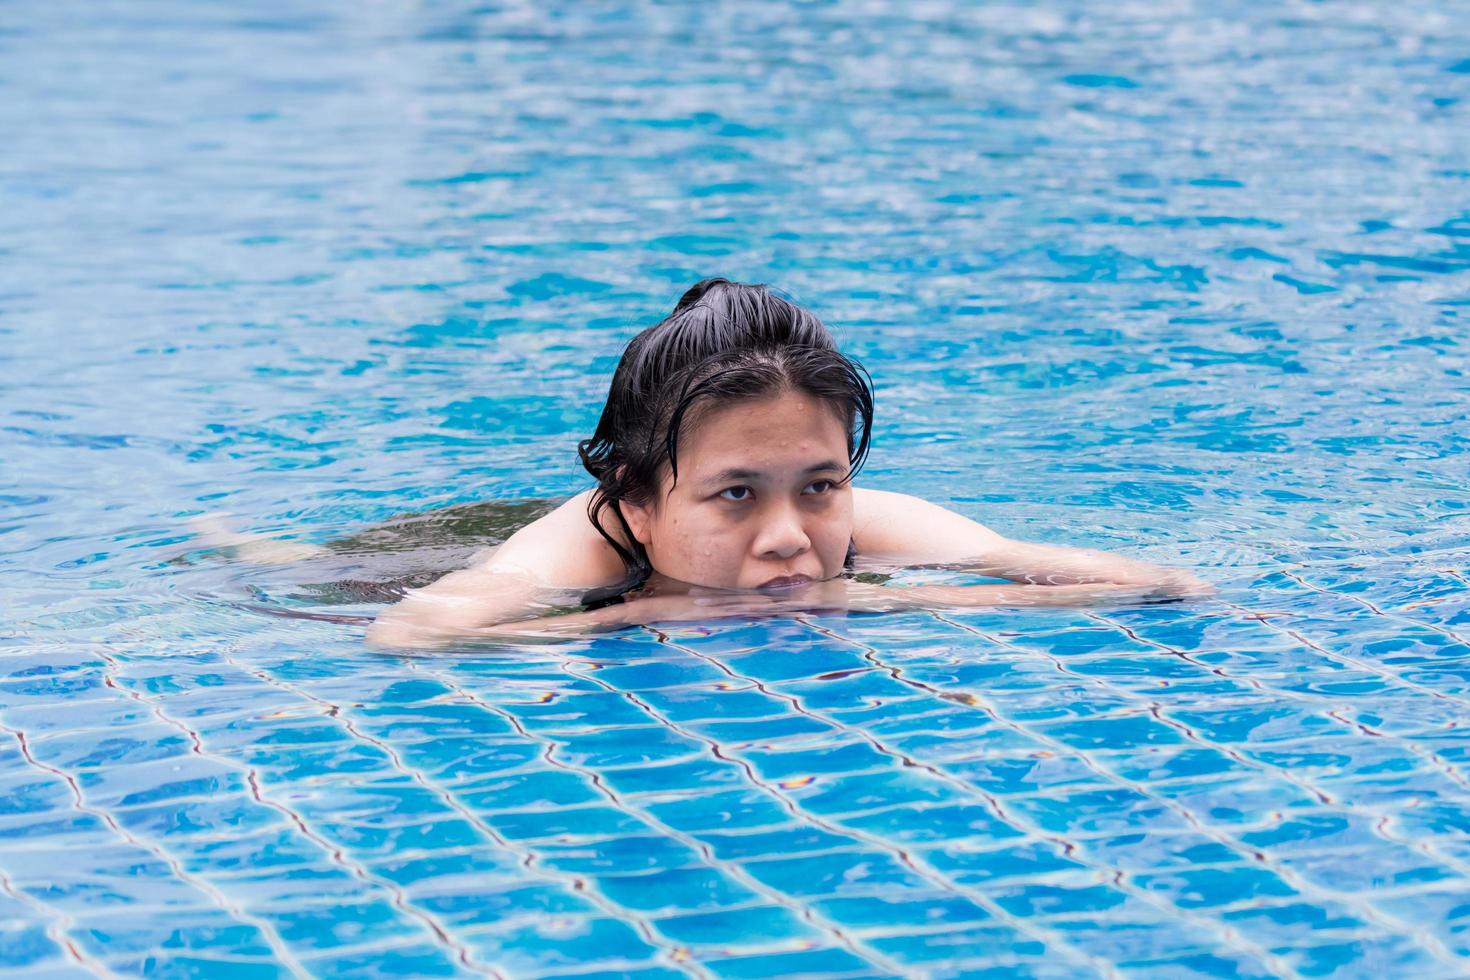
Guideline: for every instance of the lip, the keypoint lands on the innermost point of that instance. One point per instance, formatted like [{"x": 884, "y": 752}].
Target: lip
[{"x": 785, "y": 583}]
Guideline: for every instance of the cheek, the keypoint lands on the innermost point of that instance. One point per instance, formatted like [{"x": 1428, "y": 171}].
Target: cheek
[{"x": 835, "y": 534}]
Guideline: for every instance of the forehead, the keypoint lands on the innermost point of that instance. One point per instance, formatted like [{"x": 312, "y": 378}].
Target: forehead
[{"x": 791, "y": 429}]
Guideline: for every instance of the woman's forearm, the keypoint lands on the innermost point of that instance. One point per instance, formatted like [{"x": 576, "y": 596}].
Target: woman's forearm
[
  {"x": 1047, "y": 565},
  {"x": 1020, "y": 594}
]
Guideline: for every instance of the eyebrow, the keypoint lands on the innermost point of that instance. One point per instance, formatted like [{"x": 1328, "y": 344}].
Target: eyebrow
[{"x": 735, "y": 473}]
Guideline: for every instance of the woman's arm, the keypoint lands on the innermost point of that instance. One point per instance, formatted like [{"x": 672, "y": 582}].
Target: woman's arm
[
  {"x": 834, "y": 595},
  {"x": 522, "y": 578},
  {"x": 910, "y": 530}
]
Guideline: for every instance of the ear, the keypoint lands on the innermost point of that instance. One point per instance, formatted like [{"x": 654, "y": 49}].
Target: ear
[{"x": 639, "y": 518}]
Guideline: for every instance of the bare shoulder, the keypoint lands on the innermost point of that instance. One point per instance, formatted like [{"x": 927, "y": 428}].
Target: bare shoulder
[
  {"x": 562, "y": 549},
  {"x": 908, "y": 528}
]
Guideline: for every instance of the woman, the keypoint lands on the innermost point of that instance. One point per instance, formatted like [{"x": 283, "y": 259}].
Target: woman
[{"x": 724, "y": 461}]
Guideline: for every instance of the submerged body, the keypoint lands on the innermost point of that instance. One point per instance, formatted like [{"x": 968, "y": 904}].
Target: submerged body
[{"x": 761, "y": 519}]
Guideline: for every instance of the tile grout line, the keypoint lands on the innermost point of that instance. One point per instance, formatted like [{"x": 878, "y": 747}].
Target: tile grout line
[
  {"x": 1028, "y": 829},
  {"x": 336, "y": 854},
  {"x": 578, "y": 884},
  {"x": 57, "y": 928},
  {"x": 918, "y": 865},
  {"x": 216, "y": 897},
  {"x": 595, "y": 778},
  {"x": 1433, "y": 627},
  {"x": 1157, "y": 711},
  {"x": 1110, "y": 874},
  {"x": 1328, "y": 709},
  {"x": 1430, "y": 942}
]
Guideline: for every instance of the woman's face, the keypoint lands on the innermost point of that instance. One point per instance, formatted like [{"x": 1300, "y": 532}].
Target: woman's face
[{"x": 758, "y": 503}]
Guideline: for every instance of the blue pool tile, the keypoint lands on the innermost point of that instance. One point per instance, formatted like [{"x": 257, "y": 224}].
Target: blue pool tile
[
  {"x": 612, "y": 973},
  {"x": 927, "y": 824},
  {"x": 1086, "y": 641},
  {"x": 760, "y": 926},
  {"x": 319, "y": 881},
  {"x": 642, "y": 745},
  {"x": 1143, "y": 849},
  {"x": 747, "y": 809},
  {"x": 25, "y": 944},
  {"x": 375, "y": 840},
  {"x": 666, "y": 891},
  {"x": 1192, "y": 888},
  {"x": 238, "y": 814},
  {"x": 1092, "y": 811},
  {"x": 979, "y": 864},
  {"x": 618, "y": 855},
  {"x": 1059, "y": 897},
  {"x": 846, "y": 693},
  {"x": 223, "y": 966},
  {"x": 551, "y": 712},
  {"x": 843, "y": 794},
  {"x": 128, "y": 723},
  {"x": 403, "y": 723},
  {"x": 1198, "y": 963},
  {"x": 837, "y": 873},
  {"x": 897, "y": 913},
  {"x": 986, "y": 741},
  {"x": 29, "y": 791},
  {"x": 56, "y": 828},
  {"x": 1313, "y": 831},
  {"x": 700, "y": 773},
  {"x": 1147, "y": 667},
  {"x": 1362, "y": 869},
  {"x": 774, "y": 664},
  {"x": 580, "y": 821},
  {"x": 410, "y": 960},
  {"x": 468, "y": 903},
  {"x": 280, "y": 845},
  {"x": 121, "y": 932},
  {"x": 1272, "y": 922},
  {"x": 840, "y": 753},
  {"x": 343, "y": 923},
  {"x": 770, "y": 729},
  {"x": 1443, "y": 909},
  {"x": 1159, "y": 946},
  {"x": 787, "y": 841},
  {"x": 652, "y": 675},
  {"x": 316, "y": 763},
  {"x": 1132, "y": 731},
  {"x": 1024, "y": 774},
  {"x": 133, "y": 784},
  {"x": 530, "y": 788},
  {"x": 468, "y": 758},
  {"x": 967, "y": 944},
  {"x": 828, "y": 962},
  {"x": 1156, "y": 763},
  {"x": 469, "y": 864},
  {"x": 905, "y": 714},
  {"x": 723, "y": 702},
  {"x": 1369, "y": 955},
  {"x": 1238, "y": 799}
]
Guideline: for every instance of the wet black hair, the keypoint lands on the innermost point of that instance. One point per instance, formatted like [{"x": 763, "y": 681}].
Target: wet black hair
[{"x": 724, "y": 341}]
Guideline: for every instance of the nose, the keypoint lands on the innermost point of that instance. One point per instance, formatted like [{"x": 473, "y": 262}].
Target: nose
[{"x": 782, "y": 536}]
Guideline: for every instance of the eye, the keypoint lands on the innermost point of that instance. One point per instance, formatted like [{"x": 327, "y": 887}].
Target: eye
[
  {"x": 819, "y": 486},
  {"x": 736, "y": 494}
]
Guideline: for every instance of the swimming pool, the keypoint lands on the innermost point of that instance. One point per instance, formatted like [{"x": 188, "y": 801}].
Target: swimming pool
[{"x": 1146, "y": 278}]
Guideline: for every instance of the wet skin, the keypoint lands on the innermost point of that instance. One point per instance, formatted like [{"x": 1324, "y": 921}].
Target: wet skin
[{"x": 760, "y": 500}]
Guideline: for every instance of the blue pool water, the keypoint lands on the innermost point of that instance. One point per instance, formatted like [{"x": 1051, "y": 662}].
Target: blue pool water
[{"x": 1188, "y": 285}]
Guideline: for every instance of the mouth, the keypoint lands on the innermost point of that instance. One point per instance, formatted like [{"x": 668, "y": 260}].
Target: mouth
[{"x": 785, "y": 583}]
